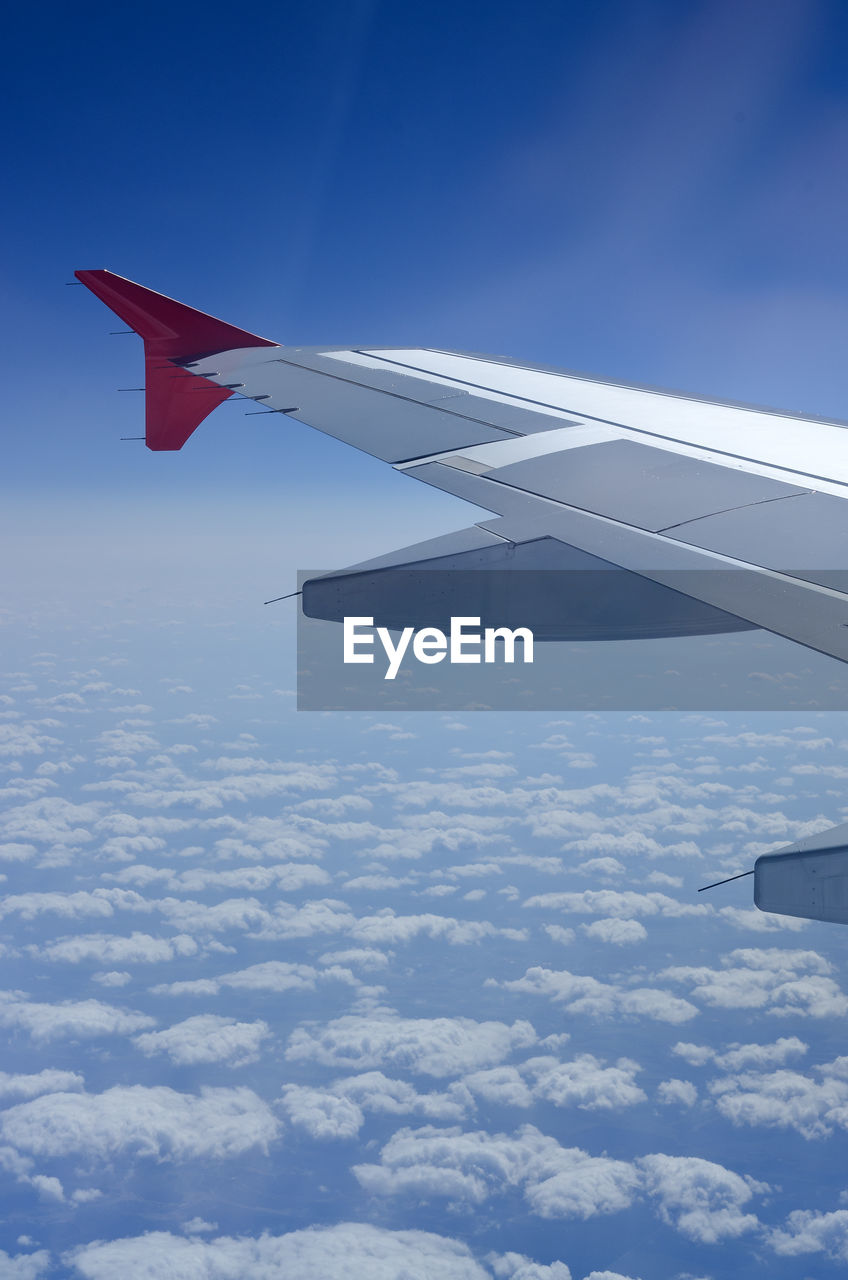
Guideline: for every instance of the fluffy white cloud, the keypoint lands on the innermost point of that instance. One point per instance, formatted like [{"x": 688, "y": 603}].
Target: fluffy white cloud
[
  {"x": 106, "y": 948},
  {"x": 695, "y": 1054},
  {"x": 269, "y": 975},
  {"x": 386, "y": 928},
  {"x": 53, "y": 820},
  {"x": 505, "y": 1086},
  {"x": 323, "y": 916},
  {"x": 288, "y": 877},
  {"x": 680, "y": 1093},
  {"x": 50, "y": 1080},
  {"x": 198, "y": 1226},
  {"x": 48, "y": 1188},
  {"x": 516, "y": 1266},
  {"x": 256, "y": 779},
  {"x": 157, "y": 1122},
  {"x": 362, "y": 957},
  {"x": 336, "y": 806},
  {"x": 13, "y": 851},
  {"x": 618, "y": 932},
  {"x": 24, "y": 1266},
  {"x": 198, "y": 917},
  {"x": 558, "y": 933},
  {"x": 603, "y": 866},
  {"x": 750, "y": 918},
  {"x": 582, "y": 994},
  {"x": 808, "y": 1231},
  {"x": 778, "y": 982},
  {"x": 786, "y": 1100},
  {"x": 17, "y": 739},
  {"x": 615, "y": 1275},
  {"x": 317, "y": 1253},
  {"x": 80, "y": 1018},
  {"x": 112, "y": 978},
  {"x": 557, "y": 1181},
  {"x": 339, "y": 1111},
  {"x": 623, "y": 904},
  {"x": 571, "y": 1184},
  {"x": 207, "y": 1038},
  {"x": 433, "y": 1046},
  {"x": 98, "y": 902},
  {"x": 585, "y": 1082},
  {"x": 377, "y": 882},
  {"x": 188, "y": 987},
  {"x": 272, "y": 975},
  {"x": 321, "y": 1113},
  {"x": 703, "y": 1200},
  {"x": 374, "y": 1091},
  {"x": 739, "y": 1056}
]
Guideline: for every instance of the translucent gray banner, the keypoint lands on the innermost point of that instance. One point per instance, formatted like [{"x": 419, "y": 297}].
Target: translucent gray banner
[{"x": 417, "y": 639}]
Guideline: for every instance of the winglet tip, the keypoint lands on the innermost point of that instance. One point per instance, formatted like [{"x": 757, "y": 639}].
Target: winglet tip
[{"x": 172, "y": 332}]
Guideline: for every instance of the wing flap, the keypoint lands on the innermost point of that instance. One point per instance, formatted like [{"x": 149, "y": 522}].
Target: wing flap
[
  {"x": 804, "y": 536},
  {"x": 559, "y": 591},
  {"x": 638, "y": 484},
  {"x": 802, "y": 611}
]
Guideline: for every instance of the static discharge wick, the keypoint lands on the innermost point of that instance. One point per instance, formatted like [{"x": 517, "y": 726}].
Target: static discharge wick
[{"x": 716, "y": 883}]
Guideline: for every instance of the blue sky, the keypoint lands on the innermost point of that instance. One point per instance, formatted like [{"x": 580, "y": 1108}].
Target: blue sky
[
  {"x": 649, "y": 191},
  {"x": 482, "y": 926}
]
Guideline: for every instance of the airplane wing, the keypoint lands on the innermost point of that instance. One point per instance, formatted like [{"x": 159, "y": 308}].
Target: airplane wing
[
  {"x": 739, "y": 511},
  {"x": 807, "y": 879}
]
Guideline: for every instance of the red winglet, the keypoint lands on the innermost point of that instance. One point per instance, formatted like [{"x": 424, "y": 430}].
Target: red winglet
[{"x": 177, "y": 401}]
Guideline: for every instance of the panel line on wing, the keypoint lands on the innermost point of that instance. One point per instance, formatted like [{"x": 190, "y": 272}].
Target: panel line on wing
[
  {"x": 639, "y": 484},
  {"x": 438, "y": 405},
  {"x": 645, "y": 431},
  {"x": 761, "y": 502}
]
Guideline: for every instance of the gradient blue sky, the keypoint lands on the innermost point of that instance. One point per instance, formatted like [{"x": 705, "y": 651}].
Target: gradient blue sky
[{"x": 649, "y": 190}]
